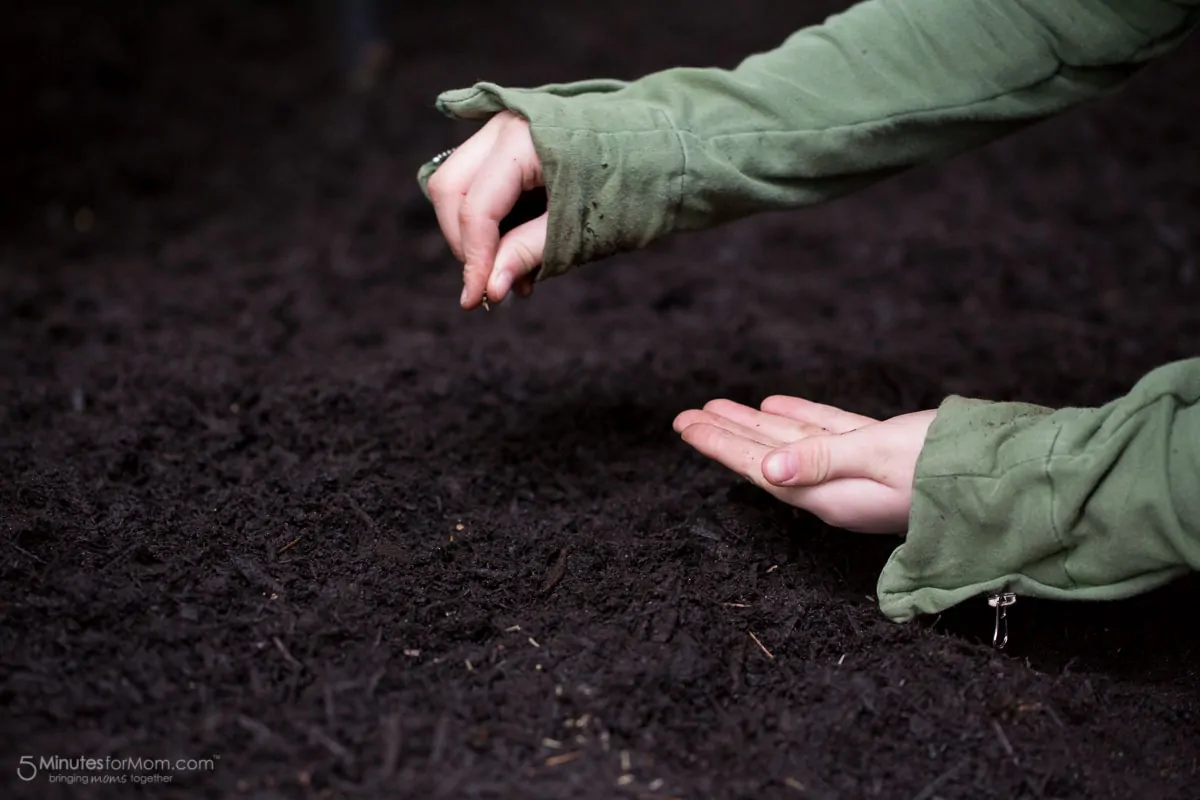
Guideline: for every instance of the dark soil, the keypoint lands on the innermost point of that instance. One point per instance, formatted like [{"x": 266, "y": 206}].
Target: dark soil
[{"x": 269, "y": 495}]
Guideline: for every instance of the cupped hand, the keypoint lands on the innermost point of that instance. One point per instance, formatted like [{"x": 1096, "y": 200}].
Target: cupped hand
[
  {"x": 851, "y": 471},
  {"x": 473, "y": 191}
]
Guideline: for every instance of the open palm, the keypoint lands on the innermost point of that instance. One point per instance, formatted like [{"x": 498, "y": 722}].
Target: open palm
[{"x": 853, "y": 472}]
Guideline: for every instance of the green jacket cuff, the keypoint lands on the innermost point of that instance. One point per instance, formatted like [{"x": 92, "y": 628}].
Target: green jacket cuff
[
  {"x": 882, "y": 87},
  {"x": 613, "y": 170},
  {"x": 1073, "y": 504}
]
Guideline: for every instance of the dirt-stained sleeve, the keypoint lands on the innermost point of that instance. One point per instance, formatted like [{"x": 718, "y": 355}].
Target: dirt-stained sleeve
[
  {"x": 1074, "y": 504},
  {"x": 881, "y": 87}
]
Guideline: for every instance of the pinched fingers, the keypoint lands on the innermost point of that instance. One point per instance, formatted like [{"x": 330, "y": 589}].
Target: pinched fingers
[
  {"x": 511, "y": 168},
  {"x": 475, "y": 189},
  {"x": 518, "y": 255},
  {"x": 452, "y": 180}
]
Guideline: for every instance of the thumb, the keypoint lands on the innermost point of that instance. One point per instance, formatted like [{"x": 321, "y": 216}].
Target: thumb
[
  {"x": 519, "y": 254},
  {"x": 818, "y": 459}
]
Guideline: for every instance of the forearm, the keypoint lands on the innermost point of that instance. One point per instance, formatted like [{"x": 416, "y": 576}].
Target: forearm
[
  {"x": 885, "y": 86},
  {"x": 1098, "y": 504}
]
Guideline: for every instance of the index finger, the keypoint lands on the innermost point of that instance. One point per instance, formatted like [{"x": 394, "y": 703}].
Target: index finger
[
  {"x": 829, "y": 417},
  {"x": 450, "y": 184},
  {"x": 734, "y": 451},
  {"x": 498, "y": 185},
  {"x": 775, "y": 426}
]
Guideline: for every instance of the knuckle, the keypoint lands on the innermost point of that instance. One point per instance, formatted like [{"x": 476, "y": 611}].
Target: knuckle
[
  {"x": 437, "y": 186},
  {"x": 715, "y": 406},
  {"x": 774, "y": 401},
  {"x": 815, "y": 460},
  {"x": 525, "y": 255},
  {"x": 475, "y": 277},
  {"x": 466, "y": 211},
  {"x": 709, "y": 436},
  {"x": 469, "y": 214}
]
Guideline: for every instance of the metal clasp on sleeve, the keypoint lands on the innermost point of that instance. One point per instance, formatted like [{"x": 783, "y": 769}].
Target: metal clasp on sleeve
[{"x": 1001, "y": 602}]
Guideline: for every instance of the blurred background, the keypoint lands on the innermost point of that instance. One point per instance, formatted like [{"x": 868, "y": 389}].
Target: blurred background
[{"x": 116, "y": 107}]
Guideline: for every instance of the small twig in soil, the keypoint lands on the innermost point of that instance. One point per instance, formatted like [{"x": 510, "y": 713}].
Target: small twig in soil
[
  {"x": 760, "y": 645},
  {"x": 494, "y": 574},
  {"x": 736, "y": 605},
  {"x": 358, "y": 512},
  {"x": 563, "y": 758},
  {"x": 318, "y": 736},
  {"x": 261, "y": 732},
  {"x": 938, "y": 782},
  {"x": 557, "y": 572},
  {"x": 1004, "y": 742},
  {"x": 439, "y": 739},
  {"x": 289, "y": 545},
  {"x": 330, "y": 711},
  {"x": 287, "y": 654},
  {"x": 25, "y": 552},
  {"x": 373, "y": 683},
  {"x": 391, "y": 745}
]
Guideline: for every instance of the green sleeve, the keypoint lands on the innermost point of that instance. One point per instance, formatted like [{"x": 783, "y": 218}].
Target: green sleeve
[
  {"x": 881, "y": 87},
  {"x": 1074, "y": 504}
]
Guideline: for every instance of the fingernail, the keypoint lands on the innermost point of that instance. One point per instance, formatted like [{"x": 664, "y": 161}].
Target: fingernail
[
  {"x": 465, "y": 294},
  {"x": 501, "y": 284},
  {"x": 779, "y": 467}
]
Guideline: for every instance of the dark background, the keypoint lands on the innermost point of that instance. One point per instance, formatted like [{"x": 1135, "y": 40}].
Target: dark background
[{"x": 268, "y": 494}]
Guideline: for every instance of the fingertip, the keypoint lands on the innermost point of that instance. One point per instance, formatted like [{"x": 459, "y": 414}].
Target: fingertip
[
  {"x": 715, "y": 405},
  {"x": 499, "y": 285},
  {"x": 770, "y": 402},
  {"x": 779, "y": 467},
  {"x": 688, "y": 418},
  {"x": 696, "y": 432},
  {"x": 475, "y": 280}
]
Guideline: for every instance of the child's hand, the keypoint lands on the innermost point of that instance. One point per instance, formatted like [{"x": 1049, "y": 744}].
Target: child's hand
[
  {"x": 852, "y": 471},
  {"x": 473, "y": 191}
]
